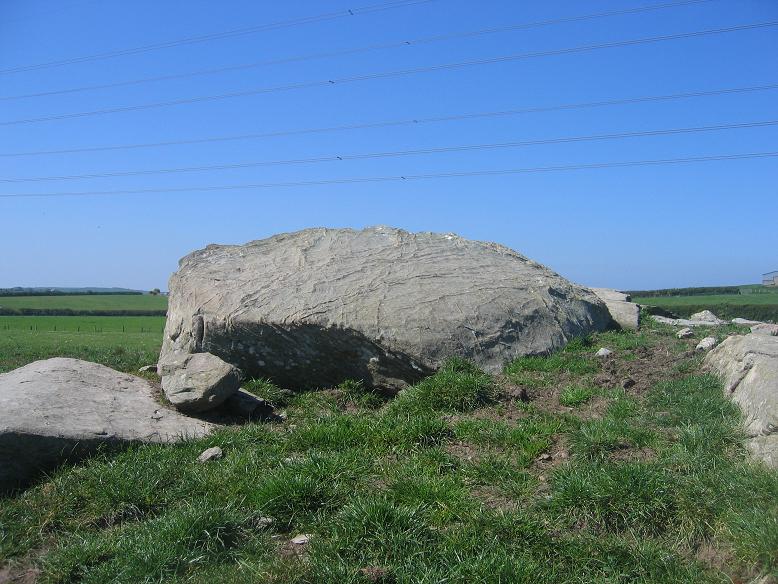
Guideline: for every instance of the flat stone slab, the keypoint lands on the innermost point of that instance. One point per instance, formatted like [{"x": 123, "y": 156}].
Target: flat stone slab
[
  {"x": 748, "y": 364},
  {"x": 763, "y": 328},
  {"x": 60, "y": 410},
  {"x": 683, "y": 321}
]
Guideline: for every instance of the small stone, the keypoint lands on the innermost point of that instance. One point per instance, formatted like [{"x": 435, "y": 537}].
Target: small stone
[
  {"x": 213, "y": 453},
  {"x": 545, "y": 456},
  {"x": 706, "y": 344},
  {"x": 628, "y": 382},
  {"x": 685, "y": 333},
  {"x": 301, "y": 539},
  {"x": 264, "y": 522},
  {"x": 603, "y": 352},
  {"x": 148, "y": 369}
]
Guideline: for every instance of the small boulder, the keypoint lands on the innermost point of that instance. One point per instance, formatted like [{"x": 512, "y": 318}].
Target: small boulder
[
  {"x": 198, "y": 382},
  {"x": 603, "y": 352},
  {"x": 685, "y": 333},
  {"x": 765, "y": 329},
  {"x": 213, "y": 453},
  {"x": 706, "y": 316},
  {"x": 148, "y": 368},
  {"x": 62, "y": 410},
  {"x": 301, "y": 539},
  {"x": 706, "y": 344},
  {"x": 626, "y": 314}
]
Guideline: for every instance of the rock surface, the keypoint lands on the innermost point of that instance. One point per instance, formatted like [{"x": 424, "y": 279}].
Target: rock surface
[
  {"x": 603, "y": 352},
  {"x": 61, "y": 410},
  {"x": 770, "y": 330},
  {"x": 745, "y": 321},
  {"x": 198, "y": 382},
  {"x": 316, "y": 307},
  {"x": 243, "y": 404},
  {"x": 624, "y": 313},
  {"x": 749, "y": 367}
]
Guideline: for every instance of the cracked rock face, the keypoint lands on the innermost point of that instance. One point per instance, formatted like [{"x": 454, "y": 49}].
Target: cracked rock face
[
  {"x": 316, "y": 307},
  {"x": 61, "y": 410},
  {"x": 749, "y": 367}
]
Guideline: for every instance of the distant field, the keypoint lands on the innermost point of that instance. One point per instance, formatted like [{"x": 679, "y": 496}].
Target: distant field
[
  {"x": 735, "y": 299},
  {"x": 754, "y": 302},
  {"x": 100, "y": 340},
  {"x": 87, "y": 302}
]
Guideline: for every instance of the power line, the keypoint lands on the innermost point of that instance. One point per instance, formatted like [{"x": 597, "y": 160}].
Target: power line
[
  {"x": 357, "y": 50},
  {"x": 500, "y": 172},
  {"x": 219, "y": 35},
  {"x": 396, "y": 73},
  {"x": 406, "y": 122},
  {"x": 398, "y": 153}
]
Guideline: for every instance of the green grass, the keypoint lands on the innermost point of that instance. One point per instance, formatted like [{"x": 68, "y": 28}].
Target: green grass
[
  {"x": 433, "y": 486},
  {"x": 125, "y": 351},
  {"x": 87, "y": 302},
  {"x": 575, "y": 395}
]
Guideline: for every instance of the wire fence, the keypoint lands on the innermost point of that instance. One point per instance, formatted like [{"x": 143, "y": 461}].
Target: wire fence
[{"x": 86, "y": 326}]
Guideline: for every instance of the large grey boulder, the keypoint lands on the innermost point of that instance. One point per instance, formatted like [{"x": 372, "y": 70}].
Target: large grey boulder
[
  {"x": 197, "y": 382},
  {"x": 749, "y": 367},
  {"x": 61, "y": 410},
  {"x": 624, "y": 313},
  {"x": 316, "y": 307}
]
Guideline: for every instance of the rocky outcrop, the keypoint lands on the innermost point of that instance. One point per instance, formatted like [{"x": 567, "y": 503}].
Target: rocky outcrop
[
  {"x": 749, "y": 367},
  {"x": 61, "y": 410},
  {"x": 319, "y": 306},
  {"x": 626, "y": 314},
  {"x": 197, "y": 382}
]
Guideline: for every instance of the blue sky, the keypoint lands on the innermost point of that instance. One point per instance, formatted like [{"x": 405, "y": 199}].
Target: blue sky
[{"x": 630, "y": 227}]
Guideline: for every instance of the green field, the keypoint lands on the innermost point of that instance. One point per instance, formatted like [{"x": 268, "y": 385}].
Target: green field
[
  {"x": 124, "y": 343},
  {"x": 87, "y": 302}
]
